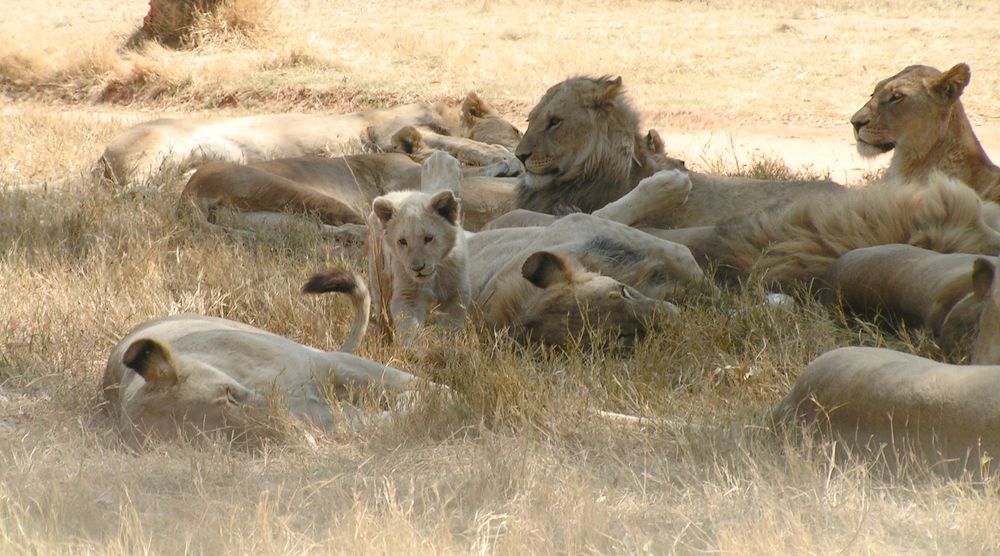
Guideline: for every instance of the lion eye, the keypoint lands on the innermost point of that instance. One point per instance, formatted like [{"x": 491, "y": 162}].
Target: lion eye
[
  {"x": 554, "y": 123},
  {"x": 428, "y": 239},
  {"x": 625, "y": 293},
  {"x": 402, "y": 242},
  {"x": 896, "y": 97}
]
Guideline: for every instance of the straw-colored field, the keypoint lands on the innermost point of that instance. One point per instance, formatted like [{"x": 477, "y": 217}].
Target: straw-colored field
[{"x": 515, "y": 463}]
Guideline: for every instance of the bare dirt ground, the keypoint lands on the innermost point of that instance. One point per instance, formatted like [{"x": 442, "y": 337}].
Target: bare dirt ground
[{"x": 516, "y": 464}]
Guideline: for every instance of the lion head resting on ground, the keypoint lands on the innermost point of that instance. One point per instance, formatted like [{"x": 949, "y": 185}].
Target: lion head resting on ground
[
  {"x": 918, "y": 115},
  {"x": 192, "y": 374},
  {"x": 582, "y": 147}
]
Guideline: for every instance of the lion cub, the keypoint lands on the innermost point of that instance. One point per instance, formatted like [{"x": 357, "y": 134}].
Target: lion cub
[{"x": 417, "y": 257}]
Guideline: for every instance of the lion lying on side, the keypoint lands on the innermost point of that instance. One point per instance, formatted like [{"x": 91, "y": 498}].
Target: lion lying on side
[
  {"x": 945, "y": 293},
  {"x": 338, "y": 190},
  {"x": 192, "y": 374},
  {"x": 884, "y": 401},
  {"x": 421, "y": 255},
  {"x": 144, "y": 150},
  {"x": 583, "y": 148},
  {"x": 918, "y": 115}
]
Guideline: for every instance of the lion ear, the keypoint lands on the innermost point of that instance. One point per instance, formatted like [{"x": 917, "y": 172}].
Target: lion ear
[
  {"x": 383, "y": 209},
  {"x": 983, "y": 272},
  {"x": 949, "y": 86},
  {"x": 655, "y": 143},
  {"x": 545, "y": 268},
  {"x": 445, "y": 204},
  {"x": 152, "y": 361},
  {"x": 474, "y": 108},
  {"x": 407, "y": 140},
  {"x": 607, "y": 91}
]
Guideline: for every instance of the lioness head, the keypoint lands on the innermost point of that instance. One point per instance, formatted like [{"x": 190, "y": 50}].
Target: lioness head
[
  {"x": 418, "y": 230},
  {"x": 186, "y": 395},
  {"x": 573, "y": 300},
  {"x": 481, "y": 122},
  {"x": 910, "y": 111}
]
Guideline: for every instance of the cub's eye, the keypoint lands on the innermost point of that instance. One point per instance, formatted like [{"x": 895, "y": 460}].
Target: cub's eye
[
  {"x": 428, "y": 239},
  {"x": 402, "y": 242},
  {"x": 553, "y": 123}
]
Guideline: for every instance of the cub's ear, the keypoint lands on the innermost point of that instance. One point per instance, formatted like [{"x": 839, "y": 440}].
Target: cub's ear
[
  {"x": 408, "y": 140},
  {"x": 544, "y": 268},
  {"x": 152, "y": 361},
  {"x": 983, "y": 272},
  {"x": 383, "y": 209},
  {"x": 655, "y": 143},
  {"x": 607, "y": 91},
  {"x": 474, "y": 108},
  {"x": 445, "y": 204},
  {"x": 949, "y": 86}
]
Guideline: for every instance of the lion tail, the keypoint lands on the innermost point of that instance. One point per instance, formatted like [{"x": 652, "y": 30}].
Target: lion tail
[{"x": 353, "y": 284}]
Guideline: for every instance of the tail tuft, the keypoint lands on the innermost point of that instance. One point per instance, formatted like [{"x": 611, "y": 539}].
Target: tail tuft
[{"x": 333, "y": 280}]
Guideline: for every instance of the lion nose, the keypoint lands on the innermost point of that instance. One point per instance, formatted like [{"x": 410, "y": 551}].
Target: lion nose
[
  {"x": 523, "y": 157},
  {"x": 418, "y": 268},
  {"x": 859, "y": 122}
]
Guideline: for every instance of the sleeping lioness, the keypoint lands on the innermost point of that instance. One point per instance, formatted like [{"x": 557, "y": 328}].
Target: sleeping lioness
[{"x": 192, "y": 374}]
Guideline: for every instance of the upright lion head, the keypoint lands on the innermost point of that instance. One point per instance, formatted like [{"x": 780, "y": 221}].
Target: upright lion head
[
  {"x": 581, "y": 146},
  {"x": 910, "y": 111},
  {"x": 418, "y": 230}
]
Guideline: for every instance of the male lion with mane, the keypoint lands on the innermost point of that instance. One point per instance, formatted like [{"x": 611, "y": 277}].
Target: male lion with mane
[{"x": 583, "y": 148}]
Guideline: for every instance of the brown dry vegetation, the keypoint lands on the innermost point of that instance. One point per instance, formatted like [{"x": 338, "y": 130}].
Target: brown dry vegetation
[{"x": 516, "y": 463}]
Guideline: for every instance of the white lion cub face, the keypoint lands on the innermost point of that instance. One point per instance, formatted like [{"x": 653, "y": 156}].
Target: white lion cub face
[{"x": 418, "y": 230}]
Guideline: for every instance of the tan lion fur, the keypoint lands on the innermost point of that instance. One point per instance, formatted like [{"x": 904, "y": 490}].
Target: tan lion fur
[
  {"x": 192, "y": 374},
  {"x": 146, "y": 149},
  {"x": 944, "y": 293},
  {"x": 918, "y": 114},
  {"x": 338, "y": 190},
  {"x": 799, "y": 243}
]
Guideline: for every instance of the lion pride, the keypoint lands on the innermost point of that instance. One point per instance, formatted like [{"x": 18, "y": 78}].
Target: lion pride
[{"x": 144, "y": 150}]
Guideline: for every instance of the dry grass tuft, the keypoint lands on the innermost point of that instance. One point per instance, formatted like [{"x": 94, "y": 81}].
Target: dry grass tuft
[{"x": 203, "y": 23}]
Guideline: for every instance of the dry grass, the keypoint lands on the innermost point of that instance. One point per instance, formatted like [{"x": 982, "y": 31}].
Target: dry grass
[{"x": 516, "y": 463}]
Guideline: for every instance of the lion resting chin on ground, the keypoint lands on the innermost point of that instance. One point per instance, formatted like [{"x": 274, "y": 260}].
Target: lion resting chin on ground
[
  {"x": 583, "y": 148},
  {"x": 918, "y": 115},
  {"x": 584, "y": 272},
  {"x": 475, "y": 133},
  {"x": 193, "y": 375}
]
